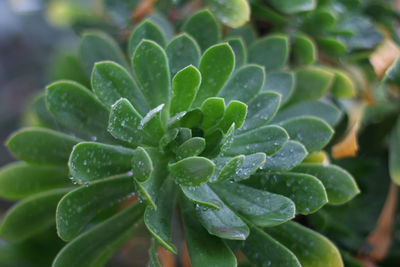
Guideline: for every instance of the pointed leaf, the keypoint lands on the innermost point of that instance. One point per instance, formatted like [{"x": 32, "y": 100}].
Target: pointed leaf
[
  {"x": 213, "y": 110},
  {"x": 192, "y": 147},
  {"x": 192, "y": 171},
  {"x": 235, "y": 113},
  {"x": 260, "y": 207},
  {"x": 240, "y": 51},
  {"x": 312, "y": 132},
  {"x": 289, "y": 156},
  {"x": 343, "y": 86},
  {"x": 280, "y": 82},
  {"x": 304, "y": 49},
  {"x": 41, "y": 145},
  {"x": 77, "y": 208},
  {"x": 142, "y": 166},
  {"x": 202, "y": 195},
  {"x": 233, "y": 13},
  {"x": 270, "y": 52},
  {"x": 145, "y": 30}
]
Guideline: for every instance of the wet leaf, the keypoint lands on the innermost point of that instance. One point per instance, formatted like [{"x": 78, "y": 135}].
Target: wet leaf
[
  {"x": 289, "y": 156},
  {"x": 192, "y": 171},
  {"x": 235, "y": 113},
  {"x": 202, "y": 195},
  {"x": 192, "y": 147},
  {"x": 142, "y": 166},
  {"x": 280, "y": 82},
  {"x": 213, "y": 110},
  {"x": 146, "y": 30}
]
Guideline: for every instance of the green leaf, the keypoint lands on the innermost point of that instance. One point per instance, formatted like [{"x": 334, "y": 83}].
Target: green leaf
[
  {"x": 213, "y": 110},
  {"x": 95, "y": 247},
  {"x": 184, "y": 89},
  {"x": 289, "y": 156},
  {"x": 19, "y": 180},
  {"x": 31, "y": 216},
  {"x": 244, "y": 84},
  {"x": 97, "y": 46},
  {"x": 332, "y": 44},
  {"x": 41, "y": 145},
  {"x": 223, "y": 223},
  {"x": 77, "y": 208},
  {"x": 216, "y": 66},
  {"x": 293, "y": 6},
  {"x": 310, "y": 247},
  {"x": 311, "y": 84},
  {"x": 267, "y": 139},
  {"x": 202, "y": 195},
  {"x": 312, "y": 132},
  {"x": 246, "y": 33},
  {"x": 304, "y": 49},
  {"x": 339, "y": 184},
  {"x": 392, "y": 74},
  {"x": 192, "y": 147},
  {"x": 192, "y": 171},
  {"x": 343, "y": 86},
  {"x": 111, "y": 81},
  {"x": 235, "y": 113},
  {"x": 182, "y": 51},
  {"x": 203, "y": 27},
  {"x": 145, "y": 30},
  {"x": 150, "y": 65},
  {"x": 394, "y": 154},
  {"x": 158, "y": 221},
  {"x": 270, "y": 52},
  {"x": 323, "y": 110},
  {"x": 233, "y": 13},
  {"x": 263, "y": 250},
  {"x": 240, "y": 51},
  {"x": 204, "y": 249},
  {"x": 306, "y": 191},
  {"x": 261, "y": 110},
  {"x": 260, "y": 207},
  {"x": 76, "y": 107},
  {"x": 280, "y": 82},
  {"x": 153, "y": 255},
  {"x": 142, "y": 166},
  {"x": 90, "y": 161}
]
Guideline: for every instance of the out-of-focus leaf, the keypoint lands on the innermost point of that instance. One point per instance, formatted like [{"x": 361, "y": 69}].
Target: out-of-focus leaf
[
  {"x": 293, "y": 6},
  {"x": 240, "y": 51},
  {"x": 394, "y": 154},
  {"x": 304, "y": 50},
  {"x": 233, "y": 13},
  {"x": 343, "y": 86}
]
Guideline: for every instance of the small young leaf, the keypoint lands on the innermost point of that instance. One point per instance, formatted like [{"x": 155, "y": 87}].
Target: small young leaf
[
  {"x": 339, "y": 184},
  {"x": 270, "y": 52},
  {"x": 142, "y": 166},
  {"x": 235, "y": 113},
  {"x": 19, "y": 180},
  {"x": 202, "y": 195},
  {"x": 91, "y": 161},
  {"x": 280, "y": 82},
  {"x": 192, "y": 171},
  {"x": 310, "y": 247},
  {"x": 304, "y": 50},
  {"x": 110, "y": 82},
  {"x": 233, "y": 13},
  {"x": 31, "y": 216},
  {"x": 184, "y": 88},
  {"x": 240, "y": 51},
  {"x": 145, "y": 30},
  {"x": 77, "y": 208},
  {"x": 158, "y": 221},
  {"x": 394, "y": 154},
  {"x": 343, "y": 86},
  {"x": 312, "y": 132},
  {"x": 216, "y": 66},
  {"x": 213, "y": 110},
  {"x": 41, "y": 145},
  {"x": 192, "y": 147},
  {"x": 204, "y": 249},
  {"x": 289, "y": 156},
  {"x": 260, "y": 207},
  {"x": 150, "y": 65},
  {"x": 203, "y": 27},
  {"x": 182, "y": 51},
  {"x": 95, "y": 247},
  {"x": 245, "y": 83}
]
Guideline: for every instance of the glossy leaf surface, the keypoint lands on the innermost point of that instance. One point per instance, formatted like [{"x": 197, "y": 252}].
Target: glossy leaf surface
[{"x": 192, "y": 171}]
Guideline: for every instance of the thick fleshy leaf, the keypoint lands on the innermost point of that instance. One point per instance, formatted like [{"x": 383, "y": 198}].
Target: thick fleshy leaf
[
  {"x": 77, "y": 108},
  {"x": 343, "y": 86},
  {"x": 150, "y": 65},
  {"x": 280, "y": 82},
  {"x": 19, "y": 180},
  {"x": 97, "y": 46},
  {"x": 267, "y": 139},
  {"x": 304, "y": 49},
  {"x": 339, "y": 184},
  {"x": 142, "y": 166},
  {"x": 184, "y": 89},
  {"x": 223, "y": 223},
  {"x": 41, "y": 145},
  {"x": 90, "y": 161},
  {"x": 213, "y": 110},
  {"x": 311, "y": 84},
  {"x": 260, "y": 207},
  {"x": 111, "y": 81},
  {"x": 289, "y": 156},
  {"x": 165, "y": 25},
  {"x": 323, "y": 110},
  {"x": 310, "y": 247},
  {"x": 204, "y": 249},
  {"x": 293, "y": 6},
  {"x": 202, "y": 195},
  {"x": 192, "y": 147},
  {"x": 246, "y": 33},
  {"x": 245, "y": 83},
  {"x": 394, "y": 154},
  {"x": 312, "y": 132},
  {"x": 31, "y": 216},
  {"x": 203, "y": 27},
  {"x": 153, "y": 255},
  {"x": 192, "y": 171},
  {"x": 77, "y": 208},
  {"x": 235, "y": 113},
  {"x": 263, "y": 250},
  {"x": 261, "y": 110},
  {"x": 270, "y": 52},
  {"x": 233, "y": 13},
  {"x": 240, "y": 51},
  {"x": 95, "y": 247},
  {"x": 182, "y": 51},
  {"x": 158, "y": 221},
  {"x": 146, "y": 30},
  {"x": 306, "y": 191},
  {"x": 216, "y": 66}
]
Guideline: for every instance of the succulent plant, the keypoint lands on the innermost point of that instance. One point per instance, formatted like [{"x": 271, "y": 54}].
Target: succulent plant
[{"x": 212, "y": 129}]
